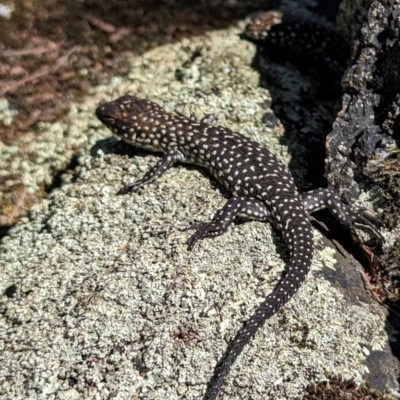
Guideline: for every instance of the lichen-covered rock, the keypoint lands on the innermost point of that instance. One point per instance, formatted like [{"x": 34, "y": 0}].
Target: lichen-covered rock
[
  {"x": 365, "y": 131},
  {"x": 362, "y": 148},
  {"x": 100, "y": 297}
]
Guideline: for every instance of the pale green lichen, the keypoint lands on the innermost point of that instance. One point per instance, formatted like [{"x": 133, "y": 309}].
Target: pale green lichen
[{"x": 7, "y": 113}]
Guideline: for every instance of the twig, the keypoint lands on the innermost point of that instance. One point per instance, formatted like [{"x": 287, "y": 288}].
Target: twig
[
  {"x": 99, "y": 23},
  {"x": 35, "y": 51}
]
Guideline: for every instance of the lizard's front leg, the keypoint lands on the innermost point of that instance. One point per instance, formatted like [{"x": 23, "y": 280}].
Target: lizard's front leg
[{"x": 169, "y": 158}]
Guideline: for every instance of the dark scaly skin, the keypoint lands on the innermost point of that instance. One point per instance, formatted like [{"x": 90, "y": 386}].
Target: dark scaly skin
[
  {"x": 304, "y": 37},
  {"x": 261, "y": 186}
]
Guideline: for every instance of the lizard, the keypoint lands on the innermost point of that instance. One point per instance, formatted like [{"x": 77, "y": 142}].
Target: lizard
[
  {"x": 301, "y": 38},
  {"x": 261, "y": 188}
]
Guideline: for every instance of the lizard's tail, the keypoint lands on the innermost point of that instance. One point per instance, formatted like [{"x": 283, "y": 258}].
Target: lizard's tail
[{"x": 297, "y": 232}]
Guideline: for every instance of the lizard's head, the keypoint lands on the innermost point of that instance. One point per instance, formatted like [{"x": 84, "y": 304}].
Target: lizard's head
[{"x": 131, "y": 118}]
